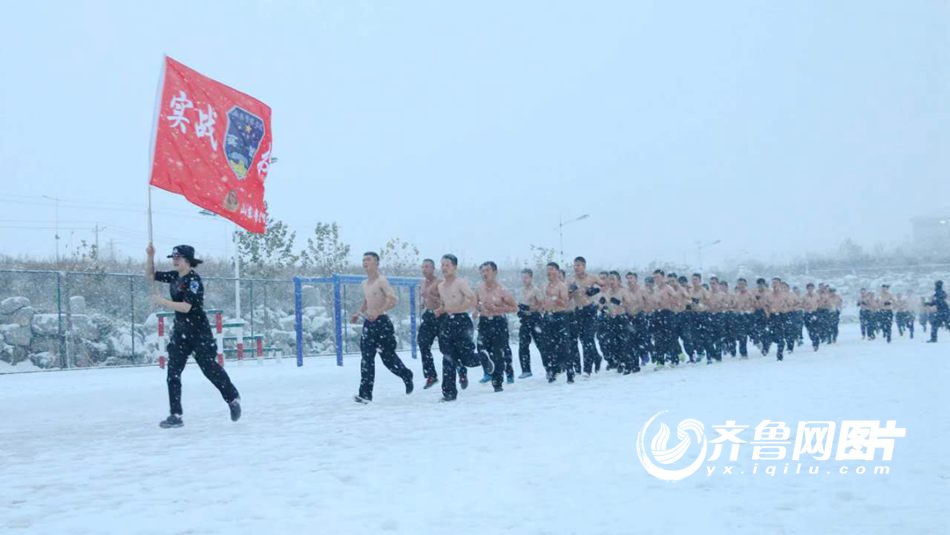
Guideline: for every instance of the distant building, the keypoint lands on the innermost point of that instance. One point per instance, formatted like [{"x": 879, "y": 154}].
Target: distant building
[{"x": 932, "y": 232}]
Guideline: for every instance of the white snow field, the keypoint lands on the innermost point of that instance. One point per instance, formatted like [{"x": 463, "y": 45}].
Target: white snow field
[{"x": 81, "y": 451}]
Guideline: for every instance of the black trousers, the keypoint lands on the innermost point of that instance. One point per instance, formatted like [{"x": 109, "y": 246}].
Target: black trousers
[
  {"x": 584, "y": 329},
  {"x": 666, "y": 345},
  {"x": 379, "y": 337},
  {"x": 886, "y": 322},
  {"x": 813, "y": 324},
  {"x": 428, "y": 334},
  {"x": 777, "y": 333},
  {"x": 637, "y": 340},
  {"x": 555, "y": 328},
  {"x": 458, "y": 351},
  {"x": 205, "y": 349},
  {"x": 528, "y": 330},
  {"x": 760, "y": 327},
  {"x": 937, "y": 320},
  {"x": 492, "y": 339},
  {"x": 706, "y": 336},
  {"x": 742, "y": 327}
]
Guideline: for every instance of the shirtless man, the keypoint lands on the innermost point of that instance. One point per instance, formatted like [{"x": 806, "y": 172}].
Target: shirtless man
[
  {"x": 716, "y": 319},
  {"x": 430, "y": 325},
  {"x": 529, "y": 312},
  {"x": 886, "y": 312},
  {"x": 582, "y": 290},
  {"x": 760, "y": 321},
  {"x": 665, "y": 301},
  {"x": 458, "y": 349},
  {"x": 809, "y": 303},
  {"x": 905, "y": 315},
  {"x": 494, "y": 302},
  {"x": 556, "y": 325},
  {"x": 744, "y": 302},
  {"x": 836, "y": 305},
  {"x": 729, "y": 318},
  {"x": 777, "y": 307},
  {"x": 699, "y": 323},
  {"x": 863, "y": 314},
  {"x": 611, "y": 300},
  {"x": 636, "y": 308},
  {"x": 378, "y": 334}
]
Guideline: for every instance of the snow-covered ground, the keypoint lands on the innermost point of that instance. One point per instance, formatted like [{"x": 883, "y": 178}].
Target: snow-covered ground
[{"x": 81, "y": 452}]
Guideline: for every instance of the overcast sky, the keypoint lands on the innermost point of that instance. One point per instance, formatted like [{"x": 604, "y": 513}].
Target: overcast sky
[{"x": 775, "y": 127}]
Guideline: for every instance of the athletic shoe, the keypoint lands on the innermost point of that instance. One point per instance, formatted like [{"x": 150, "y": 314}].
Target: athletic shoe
[
  {"x": 172, "y": 421},
  {"x": 235, "y": 408}
]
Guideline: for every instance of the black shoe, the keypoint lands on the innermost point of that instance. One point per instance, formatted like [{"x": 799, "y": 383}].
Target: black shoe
[
  {"x": 551, "y": 377},
  {"x": 235, "y": 407},
  {"x": 430, "y": 381},
  {"x": 362, "y": 400},
  {"x": 498, "y": 388},
  {"x": 446, "y": 399},
  {"x": 409, "y": 385},
  {"x": 172, "y": 421},
  {"x": 570, "y": 378},
  {"x": 463, "y": 381}
]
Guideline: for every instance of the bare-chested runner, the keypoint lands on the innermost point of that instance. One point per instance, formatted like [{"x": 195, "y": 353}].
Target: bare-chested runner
[{"x": 378, "y": 334}]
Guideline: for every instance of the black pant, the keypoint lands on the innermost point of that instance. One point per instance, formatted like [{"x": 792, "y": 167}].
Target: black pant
[
  {"x": 428, "y": 333},
  {"x": 555, "y": 327},
  {"x": 886, "y": 321},
  {"x": 585, "y": 331},
  {"x": 666, "y": 346},
  {"x": 528, "y": 331},
  {"x": 742, "y": 328},
  {"x": 378, "y": 336},
  {"x": 813, "y": 324},
  {"x": 779, "y": 333},
  {"x": 492, "y": 339},
  {"x": 616, "y": 339},
  {"x": 940, "y": 319},
  {"x": 205, "y": 350},
  {"x": 458, "y": 351},
  {"x": 760, "y": 327},
  {"x": 706, "y": 334}
]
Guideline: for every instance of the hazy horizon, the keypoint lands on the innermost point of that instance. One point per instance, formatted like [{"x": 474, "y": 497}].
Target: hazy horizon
[{"x": 776, "y": 129}]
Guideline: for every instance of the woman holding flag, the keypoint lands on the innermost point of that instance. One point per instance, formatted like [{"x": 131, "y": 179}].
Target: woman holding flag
[{"x": 191, "y": 333}]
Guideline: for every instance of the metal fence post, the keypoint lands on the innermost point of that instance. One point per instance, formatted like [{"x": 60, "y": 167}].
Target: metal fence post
[
  {"x": 251, "y": 299},
  {"x": 412, "y": 320},
  {"x": 298, "y": 319},
  {"x": 338, "y": 318},
  {"x": 59, "y": 317},
  {"x": 132, "y": 311}
]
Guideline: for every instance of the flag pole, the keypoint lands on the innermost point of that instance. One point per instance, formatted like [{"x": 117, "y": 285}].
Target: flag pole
[{"x": 151, "y": 152}]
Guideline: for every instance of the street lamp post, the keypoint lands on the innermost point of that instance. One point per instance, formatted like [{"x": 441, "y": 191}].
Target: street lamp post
[{"x": 560, "y": 229}]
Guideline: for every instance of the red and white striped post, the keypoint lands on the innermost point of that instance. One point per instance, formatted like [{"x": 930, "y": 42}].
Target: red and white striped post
[
  {"x": 162, "y": 350},
  {"x": 219, "y": 335}
]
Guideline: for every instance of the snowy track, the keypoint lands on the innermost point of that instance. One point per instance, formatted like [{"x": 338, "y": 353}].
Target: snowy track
[{"x": 81, "y": 452}]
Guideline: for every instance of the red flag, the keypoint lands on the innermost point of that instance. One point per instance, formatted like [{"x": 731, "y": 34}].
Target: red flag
[{"x": 212, "y": 145}]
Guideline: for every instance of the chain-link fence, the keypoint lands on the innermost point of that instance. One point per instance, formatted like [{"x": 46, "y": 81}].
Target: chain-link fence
[{"x": 51, "y": 319}]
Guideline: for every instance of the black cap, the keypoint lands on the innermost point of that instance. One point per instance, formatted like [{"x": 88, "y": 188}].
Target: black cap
[{"x": 187, "y": 252}]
